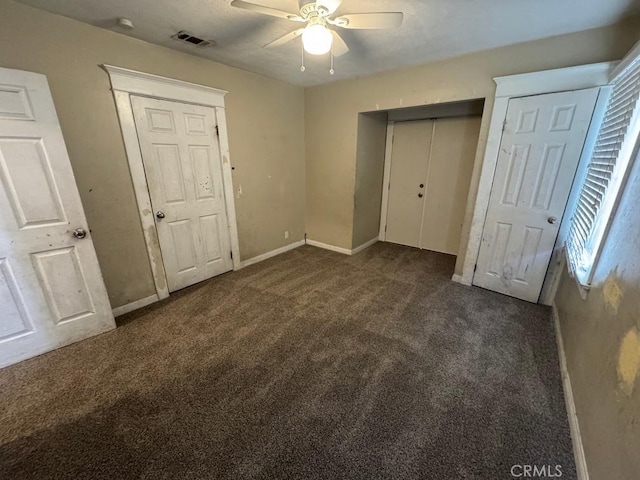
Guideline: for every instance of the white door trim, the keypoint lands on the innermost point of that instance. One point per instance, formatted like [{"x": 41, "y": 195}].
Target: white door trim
[
  {"x": 124, "y": 83},
  {"x": 130, "y": 307},
  {"x": 385, "y": 182},
  {"x": 536, "y": 83}
]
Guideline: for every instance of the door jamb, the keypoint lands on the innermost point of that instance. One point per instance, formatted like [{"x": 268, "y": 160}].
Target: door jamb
[
  {"x": 124, "y": 83},
  {"x": 382, "y": 236},
  {"x": 512, "y": 86}
]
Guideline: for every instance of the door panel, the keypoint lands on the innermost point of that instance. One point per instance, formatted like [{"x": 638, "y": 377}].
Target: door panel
[
  {"x": 453, "y": 153},
  {"x": 25, "y": 168},
  {"x": 539, "y": 153},
  {"x": 15, "y": 317},
  {"x": 63, "y": 284},
  {"x": 51, "y": 288},
  {"x": 409, "y": 165},
  {"x": 211, "y": 226},
  {"x": 181, "y": 157}
]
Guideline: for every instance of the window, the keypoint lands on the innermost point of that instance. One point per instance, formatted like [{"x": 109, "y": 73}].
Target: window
[{"x": 615, "y": 147}]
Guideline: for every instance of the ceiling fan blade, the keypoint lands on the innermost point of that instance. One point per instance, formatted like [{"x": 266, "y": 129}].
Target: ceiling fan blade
[
  {"x": 256, "y": 7},
  {"x": 339, "y": 46},
  {"x": 285, "y": 38},
  {"x": 330, "y": 5},
  {"x": 369, "y": 20}
]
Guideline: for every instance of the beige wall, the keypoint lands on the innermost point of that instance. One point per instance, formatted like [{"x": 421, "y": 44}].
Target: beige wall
[
  {"x": 267, "y": 121},
  {"x": 331, "y": 113},
  {"x": 371, "y": 142},
  {"x": 602, "y": 343},
  {"x": 266, "y": 134}
]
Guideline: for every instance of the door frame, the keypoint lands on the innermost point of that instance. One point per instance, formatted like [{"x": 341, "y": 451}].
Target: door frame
[
  {"x": 124, "y": 83},
  {"x": 388, "y": 150},
  {"x": 522, "y": 85}
]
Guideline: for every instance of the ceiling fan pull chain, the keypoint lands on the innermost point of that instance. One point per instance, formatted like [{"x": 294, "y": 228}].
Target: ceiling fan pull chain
[
  {"x": 331, "y": 70},
  {"x": 302, "y": 67}
]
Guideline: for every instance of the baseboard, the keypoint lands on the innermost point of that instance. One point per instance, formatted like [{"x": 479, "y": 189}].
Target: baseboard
[
  {"x": 460, "y": 279},
  {"x": 578, "y": 448},
  {"x": 345, "y": 251},
  {"x": 326, "y": 246},
  {"x": 270, "y": 254},
  {"x": 364, "y": 245},
  {"x": 130, "y": 307}
]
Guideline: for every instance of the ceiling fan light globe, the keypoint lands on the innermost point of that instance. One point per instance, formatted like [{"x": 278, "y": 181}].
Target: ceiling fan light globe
[{"x": 317, "y": 39}]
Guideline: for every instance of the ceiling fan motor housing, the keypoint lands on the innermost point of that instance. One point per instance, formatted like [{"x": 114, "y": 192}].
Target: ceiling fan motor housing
[{"x": 309, "y": 9}]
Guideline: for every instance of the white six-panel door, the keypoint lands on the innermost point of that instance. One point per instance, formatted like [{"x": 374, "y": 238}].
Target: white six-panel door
[
  {"x": 51, "y": 288},
  {"x": 181, "y": 157},
  {"x": 539, "y": 153}
]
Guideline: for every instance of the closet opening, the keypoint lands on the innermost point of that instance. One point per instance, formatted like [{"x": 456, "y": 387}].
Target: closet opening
[{"x": 423, "y": 175}]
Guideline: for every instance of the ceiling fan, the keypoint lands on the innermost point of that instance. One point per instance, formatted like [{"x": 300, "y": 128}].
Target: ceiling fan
[{"x": 318, "y": 38}]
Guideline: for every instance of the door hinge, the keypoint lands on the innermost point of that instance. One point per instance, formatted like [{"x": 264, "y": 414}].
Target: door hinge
[
  {"x": 385, "y": 229},
  {"x": 231, "y": 253},
  {"x": 475, "y": 267},
  {"x": 504, "y": 125},
  {"x": 217, "y": 131}
]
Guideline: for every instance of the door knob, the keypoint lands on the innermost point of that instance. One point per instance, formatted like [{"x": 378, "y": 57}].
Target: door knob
[
  {"x": 420, "y": 195},
  {"x": 552, "y": 220},
  {"x": 80, "y": 233},
  {"x": 159, "y": 214}
]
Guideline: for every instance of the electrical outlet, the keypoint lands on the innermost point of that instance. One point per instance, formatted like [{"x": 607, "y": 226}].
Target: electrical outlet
[{"x": 286, "y": 234}]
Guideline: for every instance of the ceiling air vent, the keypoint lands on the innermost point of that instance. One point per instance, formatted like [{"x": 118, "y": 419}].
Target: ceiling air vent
[{"x": 192, "y": 39}]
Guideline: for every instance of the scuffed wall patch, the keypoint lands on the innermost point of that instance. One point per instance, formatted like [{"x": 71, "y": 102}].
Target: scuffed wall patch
[
  {"x": 629, "y": 360},
  {"x": 611, "y": 291}
]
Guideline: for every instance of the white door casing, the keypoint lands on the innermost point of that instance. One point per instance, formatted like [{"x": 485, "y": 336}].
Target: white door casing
[
  {"x": 181, "y": 157},
  {"x": 51, "y": 288},
  {"x": 507, "y": 87},
  {"x": 541, "y": 145},
  {"x": 125, "y": 83}
]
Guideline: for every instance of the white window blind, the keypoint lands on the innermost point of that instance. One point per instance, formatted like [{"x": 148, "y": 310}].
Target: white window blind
[{"x": 611, "y": 154}]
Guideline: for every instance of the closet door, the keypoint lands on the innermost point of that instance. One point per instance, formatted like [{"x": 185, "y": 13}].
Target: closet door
[
  {"x": 453, "y": 152},
  {"x": 408, "y": 176}
]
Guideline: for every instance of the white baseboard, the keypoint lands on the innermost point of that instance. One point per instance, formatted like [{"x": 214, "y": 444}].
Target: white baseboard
[
  {"x": 460, "y": 279},
  {"x": 364, "y": 245},
  {"x": 345, "y": 251},
  {"x": 270, "y": 254},
  {"x": 574, "y": 426},
  {"x": 130, "y": 307},
  {"x": 143, "y": 302},
  {"x": 326, "y": 246}
]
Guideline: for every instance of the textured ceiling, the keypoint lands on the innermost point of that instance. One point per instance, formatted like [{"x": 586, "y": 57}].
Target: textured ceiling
[{"x": 432, "y": 29}]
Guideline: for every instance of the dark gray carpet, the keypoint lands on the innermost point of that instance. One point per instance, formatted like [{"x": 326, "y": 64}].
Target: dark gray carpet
[{"x": 311, "y": 365}]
